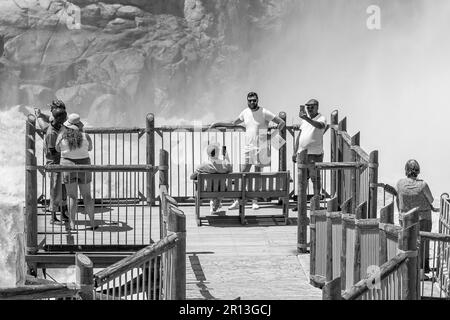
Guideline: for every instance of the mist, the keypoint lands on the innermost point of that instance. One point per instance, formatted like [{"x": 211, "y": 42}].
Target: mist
[{"x": 389, "y": 83}]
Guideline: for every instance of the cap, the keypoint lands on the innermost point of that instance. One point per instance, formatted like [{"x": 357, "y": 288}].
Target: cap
[
  {"x": 312, "y": 102},
  {"x": 213, "y": 147},
  {"x": 73, "y": 122}
]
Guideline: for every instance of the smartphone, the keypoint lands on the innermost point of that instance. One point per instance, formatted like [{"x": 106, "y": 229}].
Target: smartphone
[
  {"x": 224, "y": 150},
  {"x": 302, "y": 108}
]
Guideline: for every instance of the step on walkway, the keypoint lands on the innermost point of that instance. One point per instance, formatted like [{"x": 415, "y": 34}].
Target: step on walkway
[{"x": 254, "y": 262}]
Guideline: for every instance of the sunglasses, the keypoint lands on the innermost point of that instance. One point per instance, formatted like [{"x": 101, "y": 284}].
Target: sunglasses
[{"x": 252, "y": 100}]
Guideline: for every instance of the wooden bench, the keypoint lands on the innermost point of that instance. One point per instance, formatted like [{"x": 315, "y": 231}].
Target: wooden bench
[{"x": 243, "y": 186}]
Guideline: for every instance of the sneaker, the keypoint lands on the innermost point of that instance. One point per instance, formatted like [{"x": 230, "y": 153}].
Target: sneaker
[
  {"x": 211, "y": 207},
  {"x": 55, "y": 221},
  {"x": 255, "y": 205},
  {"x": 234, "y": 206}
]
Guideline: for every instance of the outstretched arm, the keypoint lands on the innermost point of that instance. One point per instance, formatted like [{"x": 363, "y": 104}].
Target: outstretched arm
[{"x": 225, "y": 124}]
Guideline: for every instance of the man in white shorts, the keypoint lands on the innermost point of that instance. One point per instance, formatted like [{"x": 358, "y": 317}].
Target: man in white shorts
[{"x": 256, "y": 120}]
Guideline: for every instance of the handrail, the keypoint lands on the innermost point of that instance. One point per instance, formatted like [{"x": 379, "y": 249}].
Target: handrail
[
  {"x": 98, "y": 168},
  {"x": 435, "y": 236},
  {"x": 338, "y": 165},
  {"x": 357, "y": 290},
  {"x": 136, "y": 259},
  {"x": 35, "y": 292},
  {"x": 361, "y": 153}
]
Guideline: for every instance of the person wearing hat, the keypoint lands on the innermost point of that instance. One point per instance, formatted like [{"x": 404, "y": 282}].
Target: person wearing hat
[
  {"x": 58, "y": 194},
  {"x": 256, "y": 120},
  {"x": 43, "y": 119},
  {"x": 413, "y": 192},
  {"x": 214, "y": 165},
  {"x": 312, "y": 128},
  {"x": 74, "y": 145}
]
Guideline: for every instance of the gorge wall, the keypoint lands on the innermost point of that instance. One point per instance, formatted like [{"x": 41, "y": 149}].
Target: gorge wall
[{"x": 114, "y": 56}]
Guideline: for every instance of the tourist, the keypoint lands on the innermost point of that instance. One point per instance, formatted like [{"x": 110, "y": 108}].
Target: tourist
[
  {"x": 214, "y": 165},
  {"x": 256, "y": 120},
  {"x": 44, "y": 119},
  {"x": 74, "y": 145},
  {"x": 415, "y": 193},
  {"x": 52, "y": 155},
  {"x": 312, "y": 128}
]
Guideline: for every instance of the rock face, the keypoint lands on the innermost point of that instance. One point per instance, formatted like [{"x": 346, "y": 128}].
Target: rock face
[{"x": 151, "y": 56}]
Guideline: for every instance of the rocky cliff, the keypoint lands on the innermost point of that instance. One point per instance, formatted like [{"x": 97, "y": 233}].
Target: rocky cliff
[{"x": 114, "y": 56}]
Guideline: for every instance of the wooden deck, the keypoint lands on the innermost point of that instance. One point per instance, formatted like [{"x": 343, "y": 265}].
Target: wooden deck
[{"x": 226, "y": 260}]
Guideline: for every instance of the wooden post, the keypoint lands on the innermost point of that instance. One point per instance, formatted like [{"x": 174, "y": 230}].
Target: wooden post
[
  {"x": 344, "y": 252},
  {"x": 361, "y": 211},
  {"x": 332, "y": 290},
  {"x": 342, "y": 126},
  {"x": 177, "y": 224},
  {"x": 85, "y": 276},
  {"x": 332, "y": 206},
  {"x": 315, "y": 205},
  {"x": 334, "y": 148},
  {"x": 282, "y": 158},
  {"x": 354, "y": 175},
  {"x": 357, "y": 254},
  {"x": 386, "y": 217},
  {"x": 373, "y": 181},
  {"x": 302, "y": 181},
  {"x": 150, "y": 129},
  {"x": 163, "y": 181},
  {"x": 31, "y": 191},
  {"x": 407, "y": 242}
]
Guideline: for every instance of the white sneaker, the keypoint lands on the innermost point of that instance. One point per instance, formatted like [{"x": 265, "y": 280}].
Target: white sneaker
[
  {"x": 234, "y": 206},
  {"x": 211, "y": 207},
  {"x": 255, "y": 205}
]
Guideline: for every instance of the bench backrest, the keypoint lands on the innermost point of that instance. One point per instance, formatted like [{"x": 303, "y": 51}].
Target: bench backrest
[{"x": 260, "y": 184}]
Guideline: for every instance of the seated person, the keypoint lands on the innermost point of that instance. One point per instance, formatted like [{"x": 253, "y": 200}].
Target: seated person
[{"x": 214, "y": 165}]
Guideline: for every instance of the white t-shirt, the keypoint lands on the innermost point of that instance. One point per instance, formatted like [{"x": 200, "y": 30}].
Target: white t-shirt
[
  {"x": 256, "y": 124},
  {"x": 311, "y": 138}
]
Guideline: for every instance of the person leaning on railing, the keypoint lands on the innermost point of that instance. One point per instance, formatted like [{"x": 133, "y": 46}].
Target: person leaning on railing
[
  {"x": 74, "y": 145},
  {"x": 58, "y": 195},
  {"x": 214, "y": 165},
  {"x": 415, "y": 193}
]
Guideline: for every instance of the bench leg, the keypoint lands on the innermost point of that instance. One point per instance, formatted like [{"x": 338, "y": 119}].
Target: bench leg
[
  {"x": 197, "y": 211},
  {"x": 285, "y": 202},
  {"x": 242, "y": 212}
]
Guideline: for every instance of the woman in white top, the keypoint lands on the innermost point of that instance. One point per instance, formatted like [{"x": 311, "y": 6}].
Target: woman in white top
[{"x": 74, "y": 145}]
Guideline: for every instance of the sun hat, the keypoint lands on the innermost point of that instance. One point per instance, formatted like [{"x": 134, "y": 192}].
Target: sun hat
[
  {"x": 73, "y": 122},
  {"x": 212, "y": 147}
]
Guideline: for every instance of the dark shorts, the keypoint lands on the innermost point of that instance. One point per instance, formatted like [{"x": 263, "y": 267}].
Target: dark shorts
[
  {"x": 76, "y": 177},
  {"x": 312, "y": 173}
]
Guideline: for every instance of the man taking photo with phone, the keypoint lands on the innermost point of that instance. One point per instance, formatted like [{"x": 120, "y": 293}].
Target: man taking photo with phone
[{"x": 312, "y": 127}]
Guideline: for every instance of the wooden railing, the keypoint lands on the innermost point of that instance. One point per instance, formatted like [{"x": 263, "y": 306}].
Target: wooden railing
[
  {"x": 157, "y": 272},
  {"x": 40, "y": 292},
  {"x": 346, "y": 247}
]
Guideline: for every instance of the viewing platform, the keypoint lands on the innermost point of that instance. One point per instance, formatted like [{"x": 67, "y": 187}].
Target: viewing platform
[{"x": 157, "y": 240}]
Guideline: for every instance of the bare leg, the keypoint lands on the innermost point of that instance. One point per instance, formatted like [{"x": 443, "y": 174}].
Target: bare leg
[
  {"x": 85, "y": 190},
  {"x": 72, "y": 196}
]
